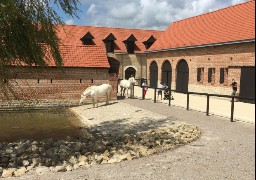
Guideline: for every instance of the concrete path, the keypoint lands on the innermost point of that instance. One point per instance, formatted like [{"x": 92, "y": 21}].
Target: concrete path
[{"x": 244, "y": 112}]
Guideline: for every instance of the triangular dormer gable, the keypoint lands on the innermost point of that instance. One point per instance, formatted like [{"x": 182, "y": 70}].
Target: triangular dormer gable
[
  {"x": 131, "y": 38},
  {"x": 151, "y": 39},
  {"x": 110, "y": 37},
  {"x": 87, "y": 39},
  {"x": 148, "y": 42}
]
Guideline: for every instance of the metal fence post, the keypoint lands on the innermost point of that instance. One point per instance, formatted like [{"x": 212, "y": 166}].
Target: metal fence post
[
  {"x": 154, "y": 95},
  {"x": 232, "y": 109},
  {"x": 207, "y": 106},
  {"x": 170, "y": 97},
  {"x": 188, "y": 101},
  {"x": 117, "y": 85}
]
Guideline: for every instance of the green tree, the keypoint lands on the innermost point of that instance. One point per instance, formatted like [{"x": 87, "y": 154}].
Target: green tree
[{"x": 27, "y": 28}]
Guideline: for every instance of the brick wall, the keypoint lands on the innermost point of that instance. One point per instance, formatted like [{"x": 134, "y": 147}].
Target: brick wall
[
  {"x": 209, "y": 57},
  {"x": 40, "y": 87}
]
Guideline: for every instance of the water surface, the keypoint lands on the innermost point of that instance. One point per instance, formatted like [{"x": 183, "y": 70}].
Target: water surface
[{"x": 38, "y": 124}]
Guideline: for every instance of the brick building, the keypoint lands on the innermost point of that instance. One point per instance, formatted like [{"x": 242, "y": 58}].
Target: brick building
[{"x": 204, "y": 53}]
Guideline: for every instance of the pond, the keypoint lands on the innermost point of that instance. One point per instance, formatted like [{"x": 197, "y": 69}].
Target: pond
[{"x": 38, "y": 124}]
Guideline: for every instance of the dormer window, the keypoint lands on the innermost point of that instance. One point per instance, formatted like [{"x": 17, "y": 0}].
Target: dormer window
[
  {"x": 148, "y": 43},
  {"x": 130, "y": 44},
  {"x": 109, "y": 42},
  {"x": 87, "y": 39}
]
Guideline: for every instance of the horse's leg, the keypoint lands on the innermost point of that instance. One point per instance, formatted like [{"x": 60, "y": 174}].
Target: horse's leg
[
  {"x": 96, "y": 99},
  {"x": 106, "y": 98},
  {"x": 127, "y": 92},
  {"x": 93, "y": 101},
  {"x": 109, "y": 96}
]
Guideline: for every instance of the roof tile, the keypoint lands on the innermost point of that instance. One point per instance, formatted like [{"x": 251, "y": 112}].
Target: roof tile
[{"x": 233, "y": 23}]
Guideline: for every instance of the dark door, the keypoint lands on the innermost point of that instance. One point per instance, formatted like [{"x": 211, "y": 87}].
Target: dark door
[
  {"x": 114, "y": 65},
  {"x": 166, "y": 73},
  {"x": 153, "y": 74},
  {"x": 130, "y": 71},
  {"x": 182, "y": 76},
  {"x": 247, "y": 83}
]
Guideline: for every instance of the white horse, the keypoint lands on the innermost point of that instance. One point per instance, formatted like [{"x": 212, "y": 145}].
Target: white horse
[
  {"x": 95, "y": 91},
  {"x": 126, "y": 85}
]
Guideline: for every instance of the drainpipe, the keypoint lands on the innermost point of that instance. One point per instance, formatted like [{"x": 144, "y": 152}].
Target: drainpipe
[
  {"x": 122, "y": 67},
  {"x": 141, "y": 67}
]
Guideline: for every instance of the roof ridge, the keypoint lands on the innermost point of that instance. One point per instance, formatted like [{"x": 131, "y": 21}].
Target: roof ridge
[
  {"x": 214, "y": 11},
  {"x": 110, "y": 27}
]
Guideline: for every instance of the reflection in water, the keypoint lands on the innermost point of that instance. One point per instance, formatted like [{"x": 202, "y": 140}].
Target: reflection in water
[{"x": 38, "y": 124}]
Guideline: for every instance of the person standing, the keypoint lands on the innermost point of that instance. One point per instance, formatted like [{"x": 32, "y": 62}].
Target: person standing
[
  {"x": 234, "y": 87},
  {"x": 145, "y": 88},
  {"x": 159, "y": 91}
]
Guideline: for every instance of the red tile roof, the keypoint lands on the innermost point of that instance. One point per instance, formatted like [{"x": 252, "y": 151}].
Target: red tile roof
[
  {"x": 233, "y": 23},
  {"x": 82, "y": 56},
  {"x": 71, "y": 35}
]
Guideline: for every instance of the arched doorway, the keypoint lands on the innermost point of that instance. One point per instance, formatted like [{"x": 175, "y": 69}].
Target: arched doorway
[
  {"x": 153, "y": 74},
  {"x": 114, "y": 65},
  {"x": 130, "y": 71},
  {"x": 182, "y": 76},
  {"x": 167, "y": 73}
]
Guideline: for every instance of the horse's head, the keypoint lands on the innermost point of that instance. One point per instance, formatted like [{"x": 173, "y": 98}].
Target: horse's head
[
  {"x": 87, "y": 92},
  {"x": 82, "y": 99},
  {"x": 132, "y": 80}
]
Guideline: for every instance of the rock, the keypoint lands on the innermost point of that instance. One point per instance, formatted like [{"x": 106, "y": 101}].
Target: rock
[
  {"x": 82, "y": 158},
  {"x": 20, "y": 171},
  {"x": 25, "y": 162},
  {"x": 82, "y": 163},
  {"x": 75, "y": 166},
  {"x": 69, "y": 168},
  {"x": 12, "y": 165},
  {"x": 72, "y": 160},
  {"x": 59, "y": 168},
  {"x": 8, "y": 172},
  {"x": 98, "y": 159}
]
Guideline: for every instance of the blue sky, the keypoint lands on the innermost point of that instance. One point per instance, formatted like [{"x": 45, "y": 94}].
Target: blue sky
[{"x": 143, "y": 14}]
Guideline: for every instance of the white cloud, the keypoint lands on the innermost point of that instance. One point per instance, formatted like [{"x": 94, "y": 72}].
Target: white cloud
[
  {"x": 92, "y": 9},
  {"x": 69, "y": 21},
  {"x": 147, "y": 14}
]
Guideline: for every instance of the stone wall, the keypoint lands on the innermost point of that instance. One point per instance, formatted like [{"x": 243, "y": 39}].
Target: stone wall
[
  {"x": 137, "y": 61},
  {"x": 44, "y": 87},
  {"x": 231, "y": 57}
]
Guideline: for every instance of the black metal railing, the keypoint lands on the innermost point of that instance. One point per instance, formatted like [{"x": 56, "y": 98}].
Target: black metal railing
[{"x": 203, "y": 94}]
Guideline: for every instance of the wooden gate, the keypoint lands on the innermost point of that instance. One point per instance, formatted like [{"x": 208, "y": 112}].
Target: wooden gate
[
  {"x": 167, "y": 73},
  {"x": 153, "y": 74},
  {"x": 247, "y": 83},
  {"x": 182, "y": 76}
]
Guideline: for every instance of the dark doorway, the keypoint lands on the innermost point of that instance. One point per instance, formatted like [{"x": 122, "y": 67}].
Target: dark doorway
[
  {"x": 182, "y": 76},
  {"x": 167, "y": 73},
  {"x": 130, "y": 71},
  {"x": 153, "y": 74},
  {"x": 114, "y": 65},
  {"x": 247, "y": 83}
]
